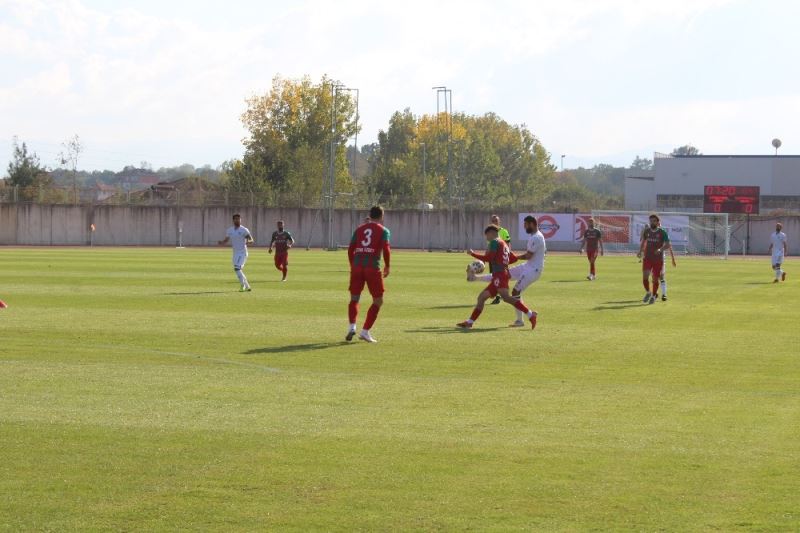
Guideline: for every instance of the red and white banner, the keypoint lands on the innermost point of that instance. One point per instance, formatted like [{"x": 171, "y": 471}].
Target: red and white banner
[{"x": 554, "y": 226}]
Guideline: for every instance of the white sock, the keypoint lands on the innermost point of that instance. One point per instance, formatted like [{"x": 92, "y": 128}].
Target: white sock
[
  {"x": 530, "y": 313},
  {"x": 470, "y": 321},
  {"x": 352, "y": 327},
  {"x": 365, "y": 332},
  {"x": 242, "y": 279},
  {"x": 519, "y": 315},
  {"x": 777, "y": 273},
  {"x": 664, "y": 287}
]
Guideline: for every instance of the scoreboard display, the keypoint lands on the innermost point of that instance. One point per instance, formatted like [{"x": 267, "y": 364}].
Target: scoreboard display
[{"x": 731, "y": 199}]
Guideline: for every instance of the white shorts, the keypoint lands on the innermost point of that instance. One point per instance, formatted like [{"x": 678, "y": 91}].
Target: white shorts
[
  {"x": 777, "y": 259},
  {"x": 524, "y": 275},
  {"x": 239, "y": 260}
]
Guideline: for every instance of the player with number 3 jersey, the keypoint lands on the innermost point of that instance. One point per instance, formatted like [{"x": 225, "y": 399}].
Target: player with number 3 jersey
[{"x": 370, "y": 242}]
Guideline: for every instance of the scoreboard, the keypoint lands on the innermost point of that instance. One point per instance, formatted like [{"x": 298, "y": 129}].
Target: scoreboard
[{"x": 731, "y": 199}]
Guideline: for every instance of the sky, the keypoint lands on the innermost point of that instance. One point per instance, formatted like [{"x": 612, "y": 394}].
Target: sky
[{"x": 598, "y": 81}]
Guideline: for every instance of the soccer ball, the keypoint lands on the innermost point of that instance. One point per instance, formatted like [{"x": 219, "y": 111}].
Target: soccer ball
[{"x": 477, "y": 267}]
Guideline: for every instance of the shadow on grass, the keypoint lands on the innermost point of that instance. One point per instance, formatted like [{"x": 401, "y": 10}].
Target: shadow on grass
[
  {"x": 194, "y": 293},
  {"x": 760, "y": 283},
  {"x": 619, "y": 305},
  {"x": 568, "y": 280},
  {"x": 449, "y": 330},
  {"x": 297, "y": 347},
  {"x": 470, "y": 306}
]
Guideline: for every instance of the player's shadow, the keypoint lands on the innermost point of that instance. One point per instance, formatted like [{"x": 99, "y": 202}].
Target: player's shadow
[
  {"x": 296, "y": 347},
  {"x": 610, "y": 306},
  {"x": 568, "y": 280},
  {"x": 450, "y": 330},
  {"x": 469, "y": 306},
  {"x": 194, "y": 293}
]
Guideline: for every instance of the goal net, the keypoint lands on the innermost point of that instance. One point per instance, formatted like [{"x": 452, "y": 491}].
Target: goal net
[{"x": 689, "y": 233}]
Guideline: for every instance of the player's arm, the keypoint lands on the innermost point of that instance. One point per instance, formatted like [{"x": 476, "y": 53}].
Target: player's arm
[
  {"x": 387, "y": 254},
  {"x": 583, "y": 244},
  {"x": 351, "y": 250},
  {"x": 224, "y": 241},
  {"x": 600, "y": 242},
  {"x": 671, "y": 254},
  {"x": 785, "y": 249},
  {"x": 642, "y": 241},
  {"x": 480, "y": 257},
  {"x": 290, "y": 242},
  {"x": 271, "y": 243},
  {"x": 513, "y": 258}
]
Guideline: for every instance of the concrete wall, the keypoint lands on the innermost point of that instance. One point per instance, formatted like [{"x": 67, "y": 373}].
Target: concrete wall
[
  {"x": 203, "y": 226},
  {"x": 640, "y": 190}
]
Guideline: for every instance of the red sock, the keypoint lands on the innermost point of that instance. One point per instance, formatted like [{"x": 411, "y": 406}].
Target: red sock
[
  {"x": 646, "y": 283},
  {"x": 475, "y": 314},
  {"x": 352, "y": 312},
  {"x": 372, "y": 316},
  {"x": 521, "y": 306},
  {"x": 284, "y": 270},
  {"x": 591, "y": 268},
  {"x": 655, "y": 284}
]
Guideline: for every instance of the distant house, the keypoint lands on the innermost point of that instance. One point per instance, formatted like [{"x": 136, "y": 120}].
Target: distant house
[{"x": 103, "y": 192}]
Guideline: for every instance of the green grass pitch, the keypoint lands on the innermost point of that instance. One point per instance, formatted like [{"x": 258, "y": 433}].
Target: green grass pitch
[{"x": 140, "y": 391}]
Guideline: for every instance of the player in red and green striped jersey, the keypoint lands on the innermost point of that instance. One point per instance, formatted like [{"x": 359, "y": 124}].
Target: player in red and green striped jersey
[
  {"x": 499, "y": 256},
  {"x": 592, "y": 243},
  {"x": 370, "y": 241},
  {"x": 654, "y": 241}
]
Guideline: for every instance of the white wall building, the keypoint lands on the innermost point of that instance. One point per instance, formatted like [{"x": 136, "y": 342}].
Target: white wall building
[{"x": 677, "y": 182}]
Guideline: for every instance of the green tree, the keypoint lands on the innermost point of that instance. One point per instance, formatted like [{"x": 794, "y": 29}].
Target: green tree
[
  {"x": 25, "y": 170},
  {"x": 642, "y": 163},
  {"x": 686, "y": 149},
  {"x": 290, "y": 136}
]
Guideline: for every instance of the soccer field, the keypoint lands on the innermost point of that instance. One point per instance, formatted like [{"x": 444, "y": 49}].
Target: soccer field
[{"x": 140, "y": 391}]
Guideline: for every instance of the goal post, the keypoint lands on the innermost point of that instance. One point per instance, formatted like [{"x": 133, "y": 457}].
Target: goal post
[{"x": 705, "y": 234}]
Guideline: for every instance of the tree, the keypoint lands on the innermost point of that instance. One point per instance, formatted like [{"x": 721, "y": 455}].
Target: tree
[
  {"x": 291, "y": 135},
  {"x": 641, "y": 163},
  {"x": 24, "y": 170},
  {"x": 686, "y": 149}
]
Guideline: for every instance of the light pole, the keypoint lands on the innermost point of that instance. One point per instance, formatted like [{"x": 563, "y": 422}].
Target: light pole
[
  {"x": 331, "y": 192},
  {"x": 562, "y": 162},
  {"x": 448, "y": 110},
  {"x": 423, "y": 206}
]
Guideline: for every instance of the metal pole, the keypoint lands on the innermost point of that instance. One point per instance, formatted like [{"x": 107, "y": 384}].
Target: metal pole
[
  {"x": 423, "y": 206},
  {"x": 331, "y": 167}
]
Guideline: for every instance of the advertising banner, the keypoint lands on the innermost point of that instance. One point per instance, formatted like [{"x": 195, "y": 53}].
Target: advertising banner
[
  {"x": 677, "y": 227},
  {"x": 615, "y": 228},
  {"x": 554, "y": 226}
]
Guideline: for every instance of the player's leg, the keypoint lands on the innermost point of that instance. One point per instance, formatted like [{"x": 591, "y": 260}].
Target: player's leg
[
  {"x": 518, "y": 304},
  {"x": 592, "y": 257},
  {"x": 656, "y": 272},
  {"x": 375, "y": 286},
  {"x": 488, "y": 292},
  {"x": 527, "y": 277},
  {"x": 646, "y": 268},
  {"x": 238, "y": 267},
  {"x": 662, "y": 278},
  {"x": 284, "y": 265},
  {"x": 357, "y": 282}
]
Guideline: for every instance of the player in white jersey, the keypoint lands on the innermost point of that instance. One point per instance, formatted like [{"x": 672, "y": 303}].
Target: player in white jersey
[
  {"x": 239, "y": 237},
  {"x": 525, "y": 273},
  {"x": 777, "y": 245}
]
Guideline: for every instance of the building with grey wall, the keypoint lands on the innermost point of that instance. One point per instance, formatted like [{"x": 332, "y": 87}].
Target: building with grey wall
[{"x": 677, "y": 182}]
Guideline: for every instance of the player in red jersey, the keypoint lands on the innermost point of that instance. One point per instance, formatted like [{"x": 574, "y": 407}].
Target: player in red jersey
[
  {"x": 592, "y": 243},
  {"x": 499, "y": 256},
  {"x": 370, "y": 241},
  {"x": 282, "y": 240},
  {"x": 654, "y": 240}
]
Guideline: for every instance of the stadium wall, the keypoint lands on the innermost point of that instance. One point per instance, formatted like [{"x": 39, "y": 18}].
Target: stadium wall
[{"x": 44, "y": 225}]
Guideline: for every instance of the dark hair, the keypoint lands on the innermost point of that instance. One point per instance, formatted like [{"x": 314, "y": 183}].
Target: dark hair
[
  {"x": 531, "y": 218},
  {"x": 653, "y": 215},
  {"x": 280, "y": 222},
  {"x": 236, "y": 215},
  {"x": 491, "y": 227},
  {"x": 375, "y": 212}
]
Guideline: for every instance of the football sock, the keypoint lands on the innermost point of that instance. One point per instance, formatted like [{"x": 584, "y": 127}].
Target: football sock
[
  {"x": 655, "y": 285},
  {"x": 372, "y": 315},
  {"x": 521, "y": 306},
  {"x": 519, "y": 315},
  {"x": 352, "y": 312},
  {"x": 352, "y": 326},
  {"x": 475, "y": 314},
  {"x": 591, "y": 268},
  {"x": 646, "y": 284},
  {"x": 664, "y": 287},
  {"x": 242, "y": 278}
]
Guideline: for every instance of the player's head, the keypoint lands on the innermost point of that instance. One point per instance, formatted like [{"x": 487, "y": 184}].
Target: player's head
[
  {"x": 280, "y": 225},
  {"x": 237, "y": 219},
  {"x": 491, "y": 232},
  {"x": 376, "y": 213},
  {"x": 591, "y": 223},
  {"x": 778, "y": 227},
  {"x": 366, "y": 219},
  {"x": 495, "y": 220},
  {"x": 654, "y": 220},
  {"x": 531, "y": 225}
]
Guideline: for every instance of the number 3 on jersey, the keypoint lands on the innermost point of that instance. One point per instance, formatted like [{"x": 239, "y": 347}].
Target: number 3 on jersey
[{"x": 367, "y": 237}]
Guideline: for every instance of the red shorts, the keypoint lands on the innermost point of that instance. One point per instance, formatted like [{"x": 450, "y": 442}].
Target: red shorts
[
  {"x": 591, "y": 255},
  {"x": 499, "y": 281},
  {"x": 372, "y": 277},
  {"x": 653, "y": 265},
  {"x": 281, "y": 259}
]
